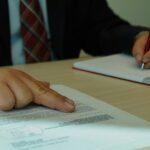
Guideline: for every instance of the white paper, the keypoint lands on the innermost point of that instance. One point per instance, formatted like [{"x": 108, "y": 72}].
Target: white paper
[
  {"x": 94, "y": 126},
  {"x": 118, "y": 65}
]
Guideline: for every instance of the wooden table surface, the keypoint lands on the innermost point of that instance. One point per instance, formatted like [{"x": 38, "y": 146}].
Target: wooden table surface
[{"x": 129, "y": 96}]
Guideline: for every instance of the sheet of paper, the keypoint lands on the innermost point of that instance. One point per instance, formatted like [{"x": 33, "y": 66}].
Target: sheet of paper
[
  {"x": 118, "y": 65},
  {"x": 94, "y": 126}
]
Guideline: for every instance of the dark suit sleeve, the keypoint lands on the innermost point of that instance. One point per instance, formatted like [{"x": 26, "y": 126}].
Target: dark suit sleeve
[{"x": 106, "y": 32}]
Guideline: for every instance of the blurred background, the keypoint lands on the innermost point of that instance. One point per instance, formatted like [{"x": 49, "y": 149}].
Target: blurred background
[{"x": 136, "y": 12}]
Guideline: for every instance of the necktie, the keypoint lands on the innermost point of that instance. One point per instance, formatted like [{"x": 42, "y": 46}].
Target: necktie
[{"x": 33, "y": 32}]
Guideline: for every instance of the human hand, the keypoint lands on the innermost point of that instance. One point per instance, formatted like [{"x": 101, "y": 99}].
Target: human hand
[
  {"x": 18, "y": 89},
  {"x": 138, "y": 49}
]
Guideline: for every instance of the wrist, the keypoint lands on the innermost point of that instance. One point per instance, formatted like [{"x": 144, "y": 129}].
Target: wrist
[{"x": 140, "y": 34}]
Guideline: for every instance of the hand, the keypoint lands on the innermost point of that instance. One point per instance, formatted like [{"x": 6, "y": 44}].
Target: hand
[
  {"x": 18, "y": 89},
  {"x": 138, "y": 49}
]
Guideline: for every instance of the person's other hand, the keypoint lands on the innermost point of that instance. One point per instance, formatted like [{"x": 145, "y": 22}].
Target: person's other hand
[
  {"x": 138, "y": 49},
  {"x": 18, "y": 89}
]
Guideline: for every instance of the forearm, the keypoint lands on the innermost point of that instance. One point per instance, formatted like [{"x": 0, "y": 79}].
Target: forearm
[
  {"x": 107, "y": 33},
  {"x": 119, "y": 39}
]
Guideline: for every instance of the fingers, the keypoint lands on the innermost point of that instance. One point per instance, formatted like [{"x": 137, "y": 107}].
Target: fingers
[
  {"x": 13, "y": 93},
  {"x": 138, "y": 50},
  {"x": 147, "y": 65},
  {"x": 7, "y": 98},
  {"x": 17, "y": 89},
  {"x": 23, "y": 94},
  {"x": 54, "y": 100},
  {"x": 146, "y": 59},
  {"x": 47, "y": 97}
]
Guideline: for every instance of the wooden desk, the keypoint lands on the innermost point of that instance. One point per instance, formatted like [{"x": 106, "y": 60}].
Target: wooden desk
[{"x": 131, "y": 97}]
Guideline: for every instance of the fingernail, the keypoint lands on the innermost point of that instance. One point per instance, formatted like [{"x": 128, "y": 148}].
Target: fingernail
[{"x": 70, "y": 104}]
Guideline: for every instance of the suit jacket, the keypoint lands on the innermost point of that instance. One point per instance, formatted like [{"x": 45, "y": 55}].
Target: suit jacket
[{"x": 76, "y": 24}]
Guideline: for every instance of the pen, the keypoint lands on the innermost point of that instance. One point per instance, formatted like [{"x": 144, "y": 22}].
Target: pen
[{"x": 147, "y": 47}]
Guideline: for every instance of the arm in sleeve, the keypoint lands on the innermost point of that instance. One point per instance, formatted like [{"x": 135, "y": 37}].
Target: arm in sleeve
[{"x": 106, "y": 32}]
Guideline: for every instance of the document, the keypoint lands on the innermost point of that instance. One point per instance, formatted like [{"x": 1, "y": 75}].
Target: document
[
  {"x": 94, "y": 126},
  {"x": 117, "y": 65}
]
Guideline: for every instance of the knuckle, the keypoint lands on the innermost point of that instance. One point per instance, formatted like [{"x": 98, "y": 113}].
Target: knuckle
[
  {"x": 24, "y": 101},
  {"x": 7, "y": 74},
  {"x": 41, "y": 91}
]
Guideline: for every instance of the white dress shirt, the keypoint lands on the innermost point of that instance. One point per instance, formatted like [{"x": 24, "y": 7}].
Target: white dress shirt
[{"x": 17, "y": 52}]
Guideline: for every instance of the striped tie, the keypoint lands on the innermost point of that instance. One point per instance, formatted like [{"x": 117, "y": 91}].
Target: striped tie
[{"x": 33, "y": 31}]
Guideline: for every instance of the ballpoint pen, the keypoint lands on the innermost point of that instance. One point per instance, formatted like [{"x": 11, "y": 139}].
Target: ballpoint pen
[{"x": 147, "y": 47}]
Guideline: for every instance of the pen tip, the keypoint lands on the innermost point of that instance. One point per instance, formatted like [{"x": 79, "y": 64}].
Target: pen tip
[{"x": 142, "y": 66}]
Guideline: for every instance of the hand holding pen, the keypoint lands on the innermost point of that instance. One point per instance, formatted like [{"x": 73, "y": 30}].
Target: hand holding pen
[
  {"x": 141, "y": 49},
  {"x": 147, "y": 48}
]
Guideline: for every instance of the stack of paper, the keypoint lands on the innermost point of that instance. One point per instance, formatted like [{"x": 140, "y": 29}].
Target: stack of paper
[
  {"x": 118, "y": 65},
  {"x": 94, "y": 126}
]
